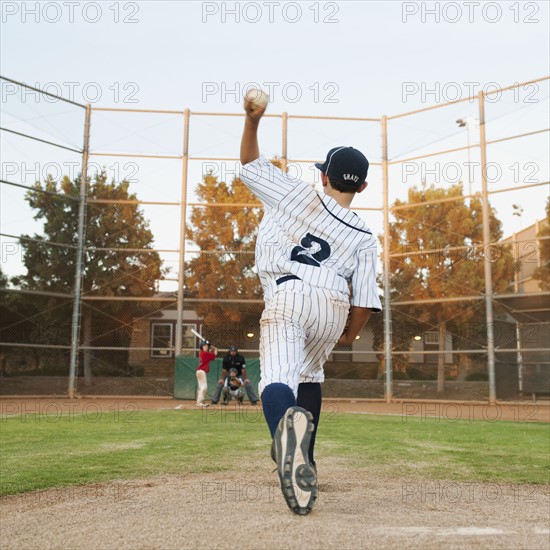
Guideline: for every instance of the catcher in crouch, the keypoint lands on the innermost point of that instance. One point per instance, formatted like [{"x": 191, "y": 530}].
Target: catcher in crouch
[{"x": 232, "y": 388}]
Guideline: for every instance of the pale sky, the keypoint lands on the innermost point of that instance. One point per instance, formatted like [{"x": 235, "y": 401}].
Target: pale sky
[{"x": 354, "y": 59}]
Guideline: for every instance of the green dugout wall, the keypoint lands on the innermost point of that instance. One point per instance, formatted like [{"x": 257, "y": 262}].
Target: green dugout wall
[{"x": 185, "y": 379}]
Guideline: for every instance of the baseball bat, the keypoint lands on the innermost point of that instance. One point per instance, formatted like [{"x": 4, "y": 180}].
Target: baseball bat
[{"x": 197, "y": 334}]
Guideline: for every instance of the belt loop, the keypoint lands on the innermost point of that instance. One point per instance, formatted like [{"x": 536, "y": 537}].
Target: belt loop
[{"x": 287, "y": 278}]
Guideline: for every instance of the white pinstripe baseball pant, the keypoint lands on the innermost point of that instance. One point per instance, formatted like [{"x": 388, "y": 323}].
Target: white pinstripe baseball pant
[{"x": 299, "y": 329}]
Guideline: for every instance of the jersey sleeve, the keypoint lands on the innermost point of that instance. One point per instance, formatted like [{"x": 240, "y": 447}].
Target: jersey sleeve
[
  {"x": 363, "y": 282},
  {"x": 269, "y": 183}
]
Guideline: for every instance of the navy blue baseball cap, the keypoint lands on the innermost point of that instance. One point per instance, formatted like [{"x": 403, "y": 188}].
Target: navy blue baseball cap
[{"x": 346, "y": 164}]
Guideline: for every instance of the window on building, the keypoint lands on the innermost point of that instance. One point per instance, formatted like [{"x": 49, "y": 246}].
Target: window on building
[
  {"x": 189, "y": 341},
  {"x": 162, "y": 336},
  {"x": 431, "y": 337},
  {"x": 163, "y": 339}
]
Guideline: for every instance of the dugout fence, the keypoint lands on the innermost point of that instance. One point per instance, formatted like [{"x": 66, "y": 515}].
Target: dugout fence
[{"x": 464, "y": 317}]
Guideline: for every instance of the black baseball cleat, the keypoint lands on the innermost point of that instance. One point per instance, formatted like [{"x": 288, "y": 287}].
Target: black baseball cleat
[{"x": 290, "y": 451}]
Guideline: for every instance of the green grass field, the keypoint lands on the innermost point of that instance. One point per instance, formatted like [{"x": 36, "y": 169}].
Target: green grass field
[{"x": 43, "y": 452}]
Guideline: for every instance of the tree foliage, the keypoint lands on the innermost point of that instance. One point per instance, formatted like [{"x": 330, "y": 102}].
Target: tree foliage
[
  {"x": 117, "y": 260},
  {"x": 108, "y": 269},
  {"x": 438, "y": 253},
  {"x": 225, "y": 233}
]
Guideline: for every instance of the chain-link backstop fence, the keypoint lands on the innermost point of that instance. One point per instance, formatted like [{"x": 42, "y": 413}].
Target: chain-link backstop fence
[{"x": 105, "y": 276}]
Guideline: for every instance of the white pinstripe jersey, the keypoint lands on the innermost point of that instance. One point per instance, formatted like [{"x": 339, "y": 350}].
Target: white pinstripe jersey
[{"x": 311, "y": 237}]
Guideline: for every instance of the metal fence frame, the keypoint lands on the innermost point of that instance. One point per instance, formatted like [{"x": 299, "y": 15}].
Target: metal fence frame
[{"x": 386, "y": 209}]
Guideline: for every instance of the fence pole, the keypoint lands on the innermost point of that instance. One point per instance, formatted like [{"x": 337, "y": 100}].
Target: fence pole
[
  {"x": 386, "y": 258},
  {"x": 284, "y": 160},
  {"x": 183, "y": 226},
  {"x": 487, "y": 253},
  {"x": 77, "y": 292}
]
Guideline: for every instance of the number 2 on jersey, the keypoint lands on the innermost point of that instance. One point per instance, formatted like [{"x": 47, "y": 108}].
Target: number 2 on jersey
[{"x": 305, "y": 254}]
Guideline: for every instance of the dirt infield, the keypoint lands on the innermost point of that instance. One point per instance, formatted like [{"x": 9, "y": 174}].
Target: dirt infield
[
  {"x": 357, "y": 507},
  {"x": 355, "y": 510}
]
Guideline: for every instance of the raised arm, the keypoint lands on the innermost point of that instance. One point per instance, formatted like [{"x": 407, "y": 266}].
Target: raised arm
[{"x": 250, "y": 149}]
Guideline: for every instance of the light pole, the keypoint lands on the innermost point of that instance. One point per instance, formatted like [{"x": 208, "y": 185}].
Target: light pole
[
  {"x": 468, "y": 122},
  {"x": 518, "y": 211}
]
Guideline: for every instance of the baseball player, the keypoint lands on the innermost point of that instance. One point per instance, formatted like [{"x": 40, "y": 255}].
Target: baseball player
[
  {"x": 310, "y": 248},
  {"x": 234, "y": 359},
  {"x": 206, "y": 354},
  {"x": 233, "y": 386}
]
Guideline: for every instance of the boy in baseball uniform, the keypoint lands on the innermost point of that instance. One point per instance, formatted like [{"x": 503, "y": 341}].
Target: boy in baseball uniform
[
  {"x": 310, "y": 249},
  {"x": 206, "y": 355}
]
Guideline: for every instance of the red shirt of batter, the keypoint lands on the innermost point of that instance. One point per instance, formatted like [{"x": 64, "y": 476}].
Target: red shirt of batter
[{"x": 204, "y": 360}]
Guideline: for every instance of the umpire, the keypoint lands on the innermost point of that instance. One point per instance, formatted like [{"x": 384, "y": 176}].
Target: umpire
[{"x": 234, "y": 360}]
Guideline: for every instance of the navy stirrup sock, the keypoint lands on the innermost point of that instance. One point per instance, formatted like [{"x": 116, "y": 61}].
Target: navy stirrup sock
[
  {"x": 310, "y": 398},
  {"x": 276, "y": 399}
]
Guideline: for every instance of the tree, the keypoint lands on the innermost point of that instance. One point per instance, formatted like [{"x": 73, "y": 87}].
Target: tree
[
  {"x": 117, "y": 260},
  {"x": 24, "y": 322},
  {"x": 224, "y": 267},
  {"x": 443, "y": 256},
  {"x": 8, "y": 318},
  {"x": 542, "y": 273}
]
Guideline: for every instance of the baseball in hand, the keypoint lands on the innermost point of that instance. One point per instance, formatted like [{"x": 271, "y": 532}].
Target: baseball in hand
[{"x": 257, "y": 97}]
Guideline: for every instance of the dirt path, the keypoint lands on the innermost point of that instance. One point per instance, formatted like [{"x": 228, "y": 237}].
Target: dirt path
[{"x": 354, "y": 510}]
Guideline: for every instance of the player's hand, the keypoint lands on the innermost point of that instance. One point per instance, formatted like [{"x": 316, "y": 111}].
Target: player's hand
[
  {"x": 344, "y": 340},
  {"x": 220, "y": 381},
  {"x": 253, "y": 111}
]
